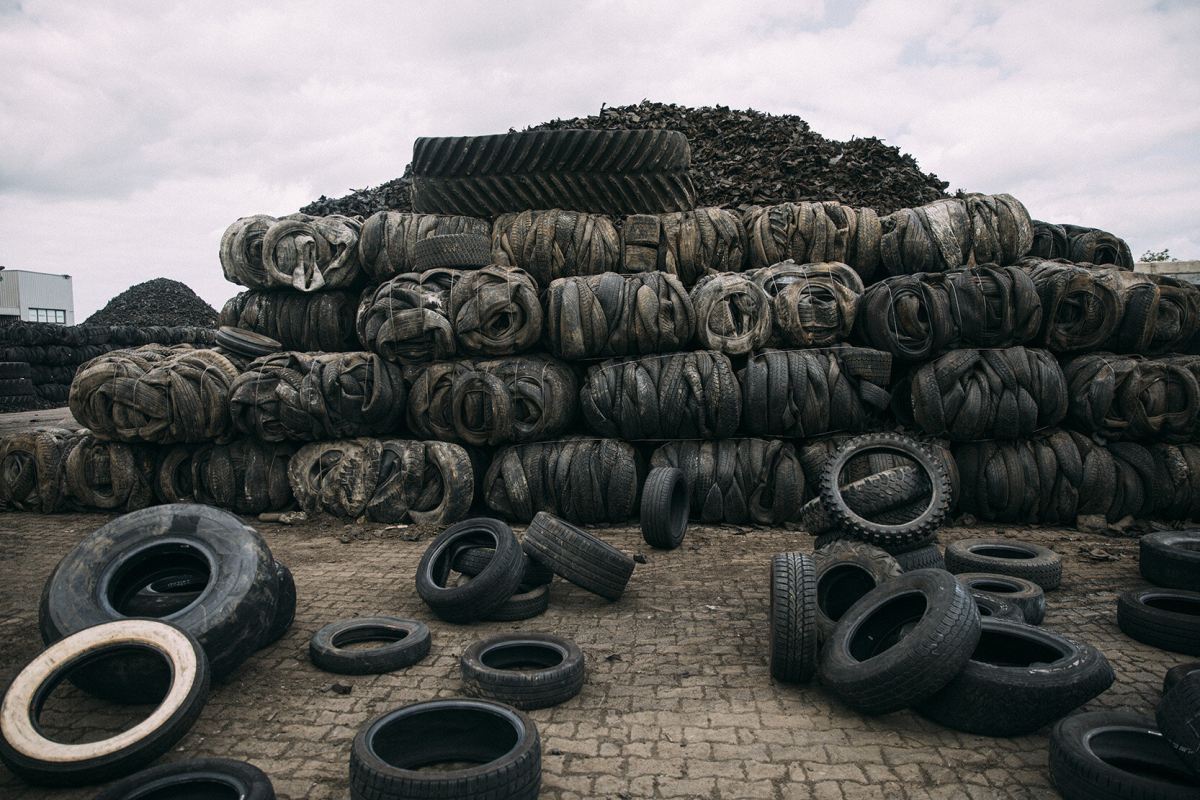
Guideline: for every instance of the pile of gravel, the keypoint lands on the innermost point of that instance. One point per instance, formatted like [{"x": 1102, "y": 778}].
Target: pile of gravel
[
  {"x": 160, "y": 301},
  {"x": 738, "y": 158}
]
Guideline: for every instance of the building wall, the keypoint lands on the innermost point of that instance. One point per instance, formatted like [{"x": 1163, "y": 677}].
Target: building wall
[
  {"x": 23, "y": 292},
  {"x": 1183, "y": 270}
]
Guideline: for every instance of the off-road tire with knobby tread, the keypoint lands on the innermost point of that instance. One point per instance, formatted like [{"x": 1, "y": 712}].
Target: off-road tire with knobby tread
[{"x": 868, "y": 497}]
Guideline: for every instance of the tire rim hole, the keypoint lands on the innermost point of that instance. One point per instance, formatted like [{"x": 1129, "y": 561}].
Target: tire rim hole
[
  {"x": 887, "y": 625},
  {"x": 442, "y": 739},
  {"x": 1002, "y": 551},
  {"x": 522, "y": 657},
  {"x": 1004, "y": 649},
  {"x": 1156, "y": 760},
  {"x": 367, "y": 638},
  {"x": 840, "y": 587},
  {"x": 159, "y": 581},
  {"x": 1174, "y": 605},
  {"x": 194, "y": 789},
  {"x": 995, "y": 587}
]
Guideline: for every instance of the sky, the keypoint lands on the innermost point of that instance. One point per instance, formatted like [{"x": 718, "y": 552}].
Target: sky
[{"x": 132, "y": 134}]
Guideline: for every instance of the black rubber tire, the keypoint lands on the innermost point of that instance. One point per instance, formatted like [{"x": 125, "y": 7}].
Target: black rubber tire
[
  {"x": 285, "y": 607},
  {"x": 892, "y": 550},
  {"x": 1024, "y": 594},
  {"x": 31, "y": 756},
  {"x": 993, "y": 606},
  {"x": 524, "y": 670},
  {"x": 408, "y": 641},
  {"x": 901, "y": 643},
  {"x": 666, "y": 503},
  {"x": 246, "y": 343},
  {"x": 229, "y": 618},
  {"x": 1002, "y": 556},
  {"x": 927, "y": 557},
  {"x": 1178, "y": 718},
  {"x": 452, "y": 251},
  {"x": 1018, "y": 679},
  {"x": 1177, "y": 673},
  {"x": 1089, "y": 754},
  {"x": 613, "y": 172},
  {"x": 195, "y": 778},
  {"x": 474, "y": 560},
  {"x": 581, "y": 558},
  {"x": 166, "y": 595},
  {"x": 15, "y": 369},
  {"x": 527, "y": 603},
  {"x": 868, "y": 497},
  {"x": 846, "y": 570},
  {"x": 485, "y": 592},
  {"x": 1168, "y": 619},
  {"x": 388, "y": 751},
  {"x": 875, "y": 532},
  {"x": 16, "y": 387},
  {"x": 1171, "y": 559},
  {"x": 792, "y": 618},
  {"x": 10, "y": 404}
]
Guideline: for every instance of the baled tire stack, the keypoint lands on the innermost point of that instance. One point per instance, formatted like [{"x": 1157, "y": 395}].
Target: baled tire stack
[
  {"x": 494, "y": 401},
  {"x": 686, "y": 244},
  {"x": 689, "y": 395},
  {"x": 917, "y": 317},
  {"x": 320, "y": 322},
  {"x": 388, "y": 480},
  {"x": 1131, "y": 397},
  {"x": 1080, "y": 245},
  {"x": 297, "y": 251},
  {"x": 618, "y": 315},
  {"x": 31, "y": 469},
  {"x": 388, "y": 241},
  {"x": 940, "y": 236},
  {"x": 1161, "y": 313},
  {"x": 583, "y": 479},
  {"x": 1080, "y": 310},
  {"x": 16, "y": 386},
  {"x": 495, "y": 311},
  {"x": 805, "y": 393},
  {"x": 109, "y": 475},
  {"x": 556, "y": 244},
  {"x": 406, "y": 320},
  {"x": 733, "y": 313},
  {"x": 738, "y": 480},
  {"x": 245, "y": 475},
  {"x": 155, "y": 394},
  {"x": 813, "y": 304},
  {"x": 314, "y": 396},
  {"x": 967, "y": 395},
  {"x": 809, "y": 233}
]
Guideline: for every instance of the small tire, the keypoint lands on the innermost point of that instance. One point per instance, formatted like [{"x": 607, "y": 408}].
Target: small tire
[
  {"x": 524, "y": 670},
  {"x": 666, "y": 503},
  {"x": 585, "y": 560},
  {"x": 1024, "y": 594},
  {"x": 408, "y": 641},
  {"x": 1090, "y": 753},
  {"x": 868, "y": 497},
  {"x": 846, "y": 571},
  {"x": 1018, "y": 679},
  {"x": 1177, "y": 673},
  {"x": 388, "y": 752},
  {"x": 901, "y": 643},
  {"x": 1171, "y": 559},
  {"x": 1168, "y": 619},
  {"x": 993, "y": 606},
  {"x": 1178, "y": 718},
  {"x": 33, "y": 757},
  {"x": 792, "y": 618},
  {"x": 488, "y": 590},
  {"x": 197, "y": 777},
  {"x": 474, "y": 560},
  {"x": 1002, "y": 556}
]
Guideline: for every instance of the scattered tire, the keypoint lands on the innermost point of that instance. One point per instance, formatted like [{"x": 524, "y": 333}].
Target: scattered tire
[
  {"x": 488, "y": 590},
  {"x": 1171, "y": 559},
  {"x": 1178, "y": 718},
  {"x": 1110, "y": 755},
  {"x": 407, "y": 642},
  {"x": 901, "y": 643},
  {"x": 1177, "y": 673},
  {"x": 194, "y": 778},
  {"x": 389, "y": 751},
  {"x": 992, "y": 606},
  {"x": 285, "y": 606},
  {"x": 1165, "y": 618},
  {"x": 1018, "y": 679},
  {"x": 792, "y": 618},
  {"x": 524, "y": 670},
  {"x": 846, "y": 570},
  {"x": 474, "y": 560},
  {"x": 927, "y": 557},
  {"x": 1010, "y": 557},
  {"x": 868, "y": 497},
  {"x": 527, "y": 603},
  {"x": 581, "y": 558},
  {"x": 1024, "y": 594},
  {"x": 33, "y": 757},
  {"x": 665, "y": 506},
  {"x": 246, "y": 343}
]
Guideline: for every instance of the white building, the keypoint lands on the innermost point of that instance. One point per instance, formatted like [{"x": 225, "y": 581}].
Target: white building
[{"x": 36, "y": 297}]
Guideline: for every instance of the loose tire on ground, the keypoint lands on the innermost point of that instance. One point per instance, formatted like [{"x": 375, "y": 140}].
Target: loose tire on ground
[
  {"x": 1024, "y": 594},
  {"x": 1165, "y": 618},
  {"x": 488, "y": 590},
  {"x": 1171, "y": 559},
  {"x": 665, "y": 506},
  {"x": 846, "y": 570},
  {"x": 1003, "y": 556},
  {"x": 524, "y": 670},
  {"x": 1178, "y": 718},
  {"x": 196, "y": 778},
  {"x": 792, "y": 621},
  {"x": 581, "y": 558},
  {"x": 407, "y": 642}
]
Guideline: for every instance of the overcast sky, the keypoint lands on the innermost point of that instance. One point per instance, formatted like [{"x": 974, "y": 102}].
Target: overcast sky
[{"x": 133, "y": 133}]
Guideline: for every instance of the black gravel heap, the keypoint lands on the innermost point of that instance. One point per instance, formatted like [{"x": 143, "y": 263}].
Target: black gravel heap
[
  {"x": 738, "y": 158},
  {"x": 160, "y": 301}
]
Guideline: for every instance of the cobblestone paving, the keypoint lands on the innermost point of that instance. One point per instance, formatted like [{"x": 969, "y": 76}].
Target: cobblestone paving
[{"x": 678, "y": 702}]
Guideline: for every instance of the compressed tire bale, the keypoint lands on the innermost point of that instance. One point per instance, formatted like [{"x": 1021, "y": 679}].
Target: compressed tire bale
[
  {"x": 406, "y": 320},
  {"x": 805, "y": 393},
  {"x": 1176, "y": 481},
  {"x": 813, "y": 304},
  {"x": 692, "y": 395},
  {"x": 738, "y": 480},
  {"x": 1080, "y": 311},
  {"x": 495, "y": 311},
  {"x": 1001, "y": 230},
  {"x": 310, "y": 397},
  {"x": 109, "y": 475},
  {"x": 581, "y": 479},
  {"x": 310, "y": 322},
  {"x": 155, "y": 394},
  {"x": 686, "y": 244},
  {"x": 556, "y": 244},
  {"x": 618, "y": 315},
  {"x": 1130, "y": 397},
  {"x": 967, "y": 395},
  {"x": 242, "y": 251},
  {"x": 814, "y": 232},
  {"x": 245, "y": 476},
  {"x": 173, "y": 478},
  {"x": 1079, "y": 244},
  {"x": 1161, "y": 314},
  {"x": 388, "y": 239},
  {"x": 494, "y": 401},
  {"x": 31, "y": 469},
  {"x": 311, "y": 254},
  {"x": 1135, "y": 470},
  {"x": 931, "y": 238},
  {"x": 733, "y": 314}
]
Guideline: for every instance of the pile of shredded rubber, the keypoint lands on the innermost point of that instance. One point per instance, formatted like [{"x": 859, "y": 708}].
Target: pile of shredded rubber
[
  {"x": 160, "y": 301},
  {"x": 738, "y": 158}
]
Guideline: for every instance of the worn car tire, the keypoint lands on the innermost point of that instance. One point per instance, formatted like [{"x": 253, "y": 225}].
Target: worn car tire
[
  {"x": 194, "y": 779},
  {"x": 1177, "y": 673},
  {"x": 666, "y": 502},
  {"x": 285, "y": 606},
  {"x": 1024, "y": 594},
  {"x": 927, "y": 557},
  {"x": 524, "y": 670},
  {"x": 846, "y": 570},
  {"x": 792, "y": 618},
  {"x": 993, "y": 606},
  {"x": 488, "y": 590},
  {"x": 1171, "y": 559},
  {"x": 528, "y": 602},
  {"x": 474, "y": 560},
  {"x": 1178, "y": 718},
  {"x": 1003, "y": 556},
  {"x": 1168, "y": 619},
  {"x": 408, "y": 641},
  {"x": 581, "y": 558}
]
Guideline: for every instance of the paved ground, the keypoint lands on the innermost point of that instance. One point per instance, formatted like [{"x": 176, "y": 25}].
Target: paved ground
[{"x": 678, "y": 700}]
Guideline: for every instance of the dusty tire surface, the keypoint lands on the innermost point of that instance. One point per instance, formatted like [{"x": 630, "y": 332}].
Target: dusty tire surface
[
  {"x": 524, "y": 670},
  {"x": 1006, "y": 557},
  {"x": 1171, "y": 559},
  {"x": 407, "y": 642},
  {"x": 792, "y": 622},
  {"x": 581, "y": 558}
]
